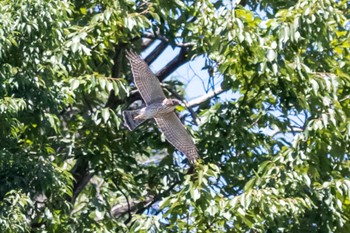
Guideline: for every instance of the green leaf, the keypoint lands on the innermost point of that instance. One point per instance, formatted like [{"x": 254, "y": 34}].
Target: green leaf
[
  {"x": 105, "y": 114},
  {"x": 74, "y": 84},
  {"x": 195, "y": 194},
  {"x": 271, "y": 55}
]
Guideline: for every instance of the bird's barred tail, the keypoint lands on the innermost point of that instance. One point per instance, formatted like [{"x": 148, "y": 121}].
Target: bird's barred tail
[{"x": 129, "y": 119}]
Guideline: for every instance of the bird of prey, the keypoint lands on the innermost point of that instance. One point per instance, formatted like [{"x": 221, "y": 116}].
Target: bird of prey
[{"x": 158, "y": 107}]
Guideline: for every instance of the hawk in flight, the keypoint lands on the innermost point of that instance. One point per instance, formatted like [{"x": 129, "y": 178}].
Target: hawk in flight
[{"x": 158, "y": 107}]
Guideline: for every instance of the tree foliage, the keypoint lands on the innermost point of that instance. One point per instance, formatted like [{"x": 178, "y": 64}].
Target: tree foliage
[{"x": 275, "y": 152}]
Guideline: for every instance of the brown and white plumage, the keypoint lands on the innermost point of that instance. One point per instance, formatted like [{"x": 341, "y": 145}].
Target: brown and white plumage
[
  {"x": 176, "y": 133},
  {"x": 158, "y": 107},
  {"x": 146, "y": 82}
]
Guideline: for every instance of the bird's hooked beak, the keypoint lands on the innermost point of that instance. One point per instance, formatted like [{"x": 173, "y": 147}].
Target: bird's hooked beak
[
  {"x": 171, "y": 102},
  {"x": 176, "y": 102},
  {"x": 179, "y": 106}
]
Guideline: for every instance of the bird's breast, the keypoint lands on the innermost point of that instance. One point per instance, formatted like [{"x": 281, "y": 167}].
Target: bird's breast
[{"x": 156, "y": 109}]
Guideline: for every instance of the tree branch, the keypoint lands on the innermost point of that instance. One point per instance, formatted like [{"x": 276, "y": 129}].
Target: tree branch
[
  {"x": 159, "y": 196},
  {"x": 169, "y": 68},
  {"x": 292, "y": 131},
  {"x": 156, "y": 52},
  {"x": 140, "y": 205},
  {"x": 127, "y": 202},
  {"x": 197, "y": 101},
  {"x": 116, "y": 69},
  {"x": 81, "y": 176},
  {"x": 151, "y": 35},
  {"x": 130, "y": 206}
]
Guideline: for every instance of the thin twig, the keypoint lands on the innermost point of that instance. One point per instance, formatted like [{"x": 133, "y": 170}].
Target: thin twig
[{"x": 127, "y": 201}]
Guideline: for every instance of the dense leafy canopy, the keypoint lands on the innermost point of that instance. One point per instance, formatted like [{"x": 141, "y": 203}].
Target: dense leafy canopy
[{"x": 275, "y": 152}]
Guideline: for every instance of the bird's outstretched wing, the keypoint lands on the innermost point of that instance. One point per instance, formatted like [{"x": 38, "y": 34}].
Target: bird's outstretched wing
[
  {"x": 146, "y": 82},
  {"x": 176, "y": 133}
]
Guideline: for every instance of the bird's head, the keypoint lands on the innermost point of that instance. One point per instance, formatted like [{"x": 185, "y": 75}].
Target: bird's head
[{"x": 171, "y": 102}]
